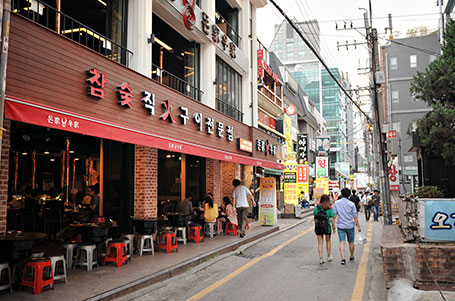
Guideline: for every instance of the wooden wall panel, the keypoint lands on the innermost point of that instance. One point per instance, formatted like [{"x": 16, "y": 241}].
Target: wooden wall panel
[{"x": 49, "y": 69}]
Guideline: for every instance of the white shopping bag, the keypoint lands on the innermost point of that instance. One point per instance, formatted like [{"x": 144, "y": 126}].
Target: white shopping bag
[{"x": 360, "y": 239}]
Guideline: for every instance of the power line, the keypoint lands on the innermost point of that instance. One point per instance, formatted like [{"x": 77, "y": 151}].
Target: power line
[
  {"x": 377, "y": 18},
  {"x": 320, "y": 59}
]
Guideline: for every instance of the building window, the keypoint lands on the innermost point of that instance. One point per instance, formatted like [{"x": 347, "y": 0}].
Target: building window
[
  {"x": 396, "y": 126},
  {"x": 228, "y": 90},
  {"x": 395, "y": 96},
  {"x": 413, "y": 60},
  {"x": 413, "y": 126},
  {"x": 393, "y": 63},
  {"x": 227, "y": 19},
  {"x": 407, "y": 158}
]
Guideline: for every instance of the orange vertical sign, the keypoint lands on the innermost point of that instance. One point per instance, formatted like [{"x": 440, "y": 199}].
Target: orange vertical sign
[{"x": 302, "y": 174}]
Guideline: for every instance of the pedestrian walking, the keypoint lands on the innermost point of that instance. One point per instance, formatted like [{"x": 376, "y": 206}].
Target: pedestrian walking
[
  {"x": 377, "y": 201},
  {"x": 346, "y": 219},
  {"x": 324, "y": 226},
  {"x": 355, "y": 199},
  {"x": 366, "y": 205},
  {"x": 240, "y": 196}
]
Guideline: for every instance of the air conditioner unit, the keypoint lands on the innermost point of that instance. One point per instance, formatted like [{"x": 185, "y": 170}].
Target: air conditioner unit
[{"x": 380, "y": 77}]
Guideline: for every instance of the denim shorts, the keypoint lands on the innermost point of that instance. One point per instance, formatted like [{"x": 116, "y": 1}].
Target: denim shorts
[{"x": 343, "y": 232}]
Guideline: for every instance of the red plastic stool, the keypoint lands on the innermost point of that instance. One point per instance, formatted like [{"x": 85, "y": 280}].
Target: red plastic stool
[
  {"x": 231, "y": 228},
  {"x": 168, "y": 242},
  {"x": 247, "y": 226},
  {"x": 116, "y": 252},
  {"x": 195, "y": 233},
  {"x": 41, "y": 276}
]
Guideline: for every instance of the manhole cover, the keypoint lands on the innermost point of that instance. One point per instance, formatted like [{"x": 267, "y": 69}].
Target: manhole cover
[
  {"x": 245, "y": 255},
  {"x": 313, "y": 267}
]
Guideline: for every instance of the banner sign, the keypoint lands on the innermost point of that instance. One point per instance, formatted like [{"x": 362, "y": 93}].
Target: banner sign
[
  {"x": 290, "y": 180},
  {"x": 323, "y": 183},
  {"x": 267, "y": 202},
  {"x": 440, "y": 219},
  {"x": 302, "y": 174},
  {"x": 288, "y": 132},
  {"x": 302, "y": 146},
  {"x": 393, "y": 175},
  {"x": 322, "y": 167}
]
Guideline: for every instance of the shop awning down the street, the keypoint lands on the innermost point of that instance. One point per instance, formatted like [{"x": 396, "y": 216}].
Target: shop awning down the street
[{"x": 38, "y": 114}]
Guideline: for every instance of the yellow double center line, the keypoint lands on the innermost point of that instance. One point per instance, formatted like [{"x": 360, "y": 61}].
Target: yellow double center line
[{"x": 246, "y": 266}]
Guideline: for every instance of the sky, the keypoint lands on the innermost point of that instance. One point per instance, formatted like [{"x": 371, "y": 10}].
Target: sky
[{"x": 405, "y": 14}]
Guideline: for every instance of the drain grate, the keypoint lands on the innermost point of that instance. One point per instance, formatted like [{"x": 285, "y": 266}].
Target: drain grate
[{"x": 245, "y": 255}]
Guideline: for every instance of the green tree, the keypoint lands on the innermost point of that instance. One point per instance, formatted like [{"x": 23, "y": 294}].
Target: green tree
[{"x": 437, "y": 87}]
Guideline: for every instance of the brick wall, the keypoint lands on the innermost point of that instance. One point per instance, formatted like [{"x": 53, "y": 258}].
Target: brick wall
[
  {"x": 213, "y": 179},
  {"x": 435, "y": 263},
  {"x": 4, "y": 165},
  {"x": 146, "y": 182},
  {"x": 421, "y": 263},
  {"x": 227, "y": 175}
]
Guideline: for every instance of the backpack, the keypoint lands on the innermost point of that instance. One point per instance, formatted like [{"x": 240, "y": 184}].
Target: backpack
[{"x": 321, "y": 222}]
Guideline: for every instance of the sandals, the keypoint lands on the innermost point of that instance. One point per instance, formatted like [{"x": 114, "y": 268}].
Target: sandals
[
  {"x": 351, "y": 258},
  {"x": 321, "y": 260},
  {"x": 343, "y": 261}
]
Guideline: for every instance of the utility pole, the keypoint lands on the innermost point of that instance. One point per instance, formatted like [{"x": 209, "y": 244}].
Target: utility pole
[{"x": 372, "y": 37}]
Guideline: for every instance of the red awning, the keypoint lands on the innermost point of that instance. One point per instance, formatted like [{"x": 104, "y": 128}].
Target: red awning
[{"x": 38, "y": 114}]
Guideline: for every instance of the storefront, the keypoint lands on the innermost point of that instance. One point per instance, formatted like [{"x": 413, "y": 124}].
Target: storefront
[{"x": 148, "y": 143}]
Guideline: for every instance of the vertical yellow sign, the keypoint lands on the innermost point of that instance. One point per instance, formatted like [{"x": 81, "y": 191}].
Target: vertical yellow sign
[
  {"x": 323, "y": 183},
  {"x": 290, "y": 180},
  {"x": 288, "y": 133}
]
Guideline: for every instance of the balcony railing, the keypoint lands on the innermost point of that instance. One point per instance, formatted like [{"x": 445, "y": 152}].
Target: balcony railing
[
  {"x": 46, "y": 15},
  {"x": 229, "y": 110},
  {"x": 272, "y": 96},
  {"x": 227, "y": 28},
  {"x": 176, "y": 83}
]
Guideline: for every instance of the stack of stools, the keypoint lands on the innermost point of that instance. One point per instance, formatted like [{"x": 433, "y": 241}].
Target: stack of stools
[
  {"x": 168, "y": 241},
  {"x": 55, "y": 260},
  {"x": 145, "y": 244},
  {"x": 129, "y": 241},
  {"x": 69, "y": 255},
  {"x": 116, "y": 252},
  {"x": 231, "y": 228},
  {"x": 4, "y": 265},
  {"x": 87, "y": 255},
  {"x": 210, "y": 229},
  {"x": 41, "y": 274},
  {"x": 195, "y": 233},
  {"x": 180, "y": 232}
]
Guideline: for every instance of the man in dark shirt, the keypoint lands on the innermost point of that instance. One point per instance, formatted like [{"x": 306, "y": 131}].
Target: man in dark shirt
[
  {"x": 95, "y": 199},
  {"x": 377, "y": 200},
  {"x": 185, "y": 206},
  {"x": 355, "y": 199}
]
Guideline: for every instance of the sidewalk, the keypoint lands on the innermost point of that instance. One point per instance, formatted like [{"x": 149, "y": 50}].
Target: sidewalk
[{"x": 110, "y": 281}]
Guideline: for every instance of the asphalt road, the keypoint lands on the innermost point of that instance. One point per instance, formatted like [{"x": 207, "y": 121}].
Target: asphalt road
[{"x": 282, "y": 267}]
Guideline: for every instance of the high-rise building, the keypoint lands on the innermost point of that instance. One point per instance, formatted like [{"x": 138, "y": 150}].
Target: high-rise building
[{"x": 316, "y": 82}]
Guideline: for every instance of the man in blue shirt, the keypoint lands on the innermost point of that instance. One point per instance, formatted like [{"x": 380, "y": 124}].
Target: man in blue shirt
[{"x": 346, "y": 217}]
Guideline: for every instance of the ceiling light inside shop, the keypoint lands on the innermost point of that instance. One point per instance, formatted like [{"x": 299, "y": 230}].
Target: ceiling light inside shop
[
  {"x": 164, "y": 45},
  {"x": 168, "y": 156},
  {"x": 71, "y": 152},
  {"x": 76, "y": 159},
  {"x": 52, "y": 159},
  {"x": 24, "y": 153},
  {"x": 46, "y": 153},
  {"x": 102, "y": 2}
]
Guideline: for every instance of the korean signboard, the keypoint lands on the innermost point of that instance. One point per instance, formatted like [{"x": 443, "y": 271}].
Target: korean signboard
[
  {"x": 440, "y": 219},
  {"x": 323, "y": 144},
  {"x": 302, "y": 146},
  {"x": 322, "y": 167},
  {"x": 391, "y": 134},
  {"x": 267, "y": 202},
  {"x": 290, "y": 180},
  {"x": 393, "y": 175},
  {"x": 288, "y": 132},
  {"x": 323, "y": 183},
  {"x": 302, "y": 174}
]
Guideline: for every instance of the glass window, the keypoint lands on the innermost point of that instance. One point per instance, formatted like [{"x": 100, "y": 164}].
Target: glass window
[
  {"x": 413, "y": 60},
  {"x": 228, "y": 90},
  {"x": 395, "y": 96},
  {"x": 407, "y": 158},
  {"x": 393, "y": 63}
]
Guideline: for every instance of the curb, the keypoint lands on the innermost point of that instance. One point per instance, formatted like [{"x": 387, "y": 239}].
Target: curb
[{"x": 199, "y": 261}]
